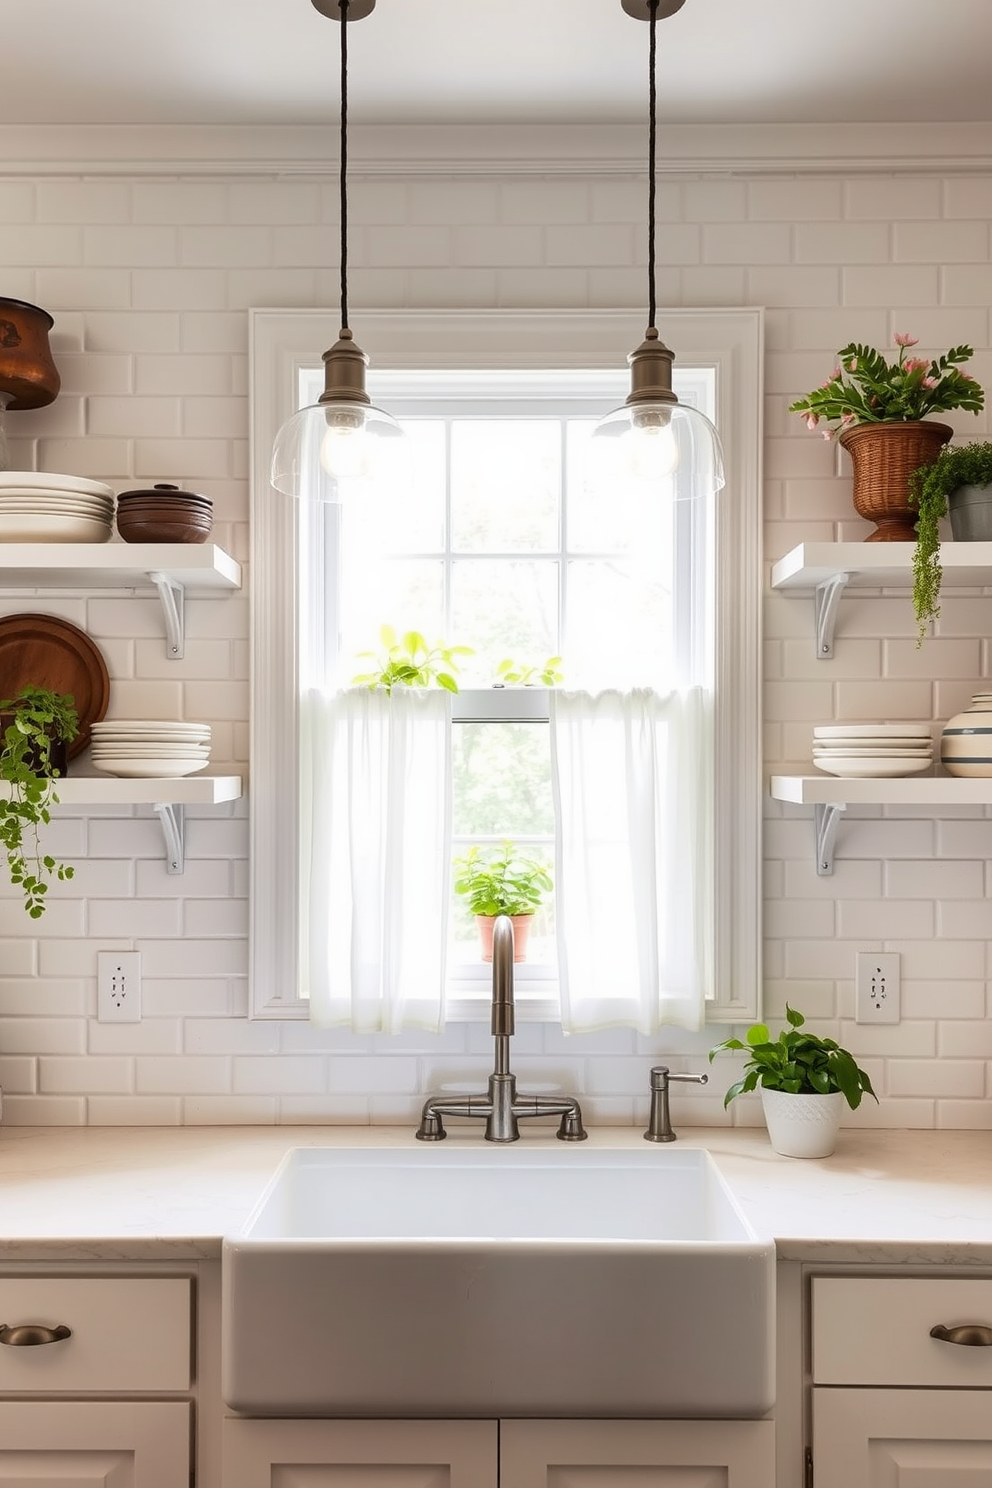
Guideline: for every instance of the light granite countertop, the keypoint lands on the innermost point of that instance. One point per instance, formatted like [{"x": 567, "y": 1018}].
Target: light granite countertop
[{"x": 171, "y": 1193}]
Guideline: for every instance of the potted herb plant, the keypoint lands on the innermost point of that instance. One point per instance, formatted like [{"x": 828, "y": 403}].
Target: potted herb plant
[
  {"x": 957, "y": 483},
  {"x": 502, "y": 880},
  {"x": 879, "y": 411},
  {"x": 804, "y": 1081},
  {"x": 36, "y": 726}
]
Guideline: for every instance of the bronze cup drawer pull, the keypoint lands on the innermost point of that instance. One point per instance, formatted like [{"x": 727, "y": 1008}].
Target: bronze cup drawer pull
[
  {"x": 29, "y": 1335},
  {"x": 972, "y": 1335}
]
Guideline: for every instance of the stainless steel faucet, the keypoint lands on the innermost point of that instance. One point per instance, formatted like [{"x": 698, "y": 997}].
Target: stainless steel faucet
[
  {"x": 659, "y": 1120},
  {"x": 502, "y": 1108}
]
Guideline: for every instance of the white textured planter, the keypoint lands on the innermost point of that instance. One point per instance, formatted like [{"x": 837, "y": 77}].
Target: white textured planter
[{"x": 802, "y": 1125}]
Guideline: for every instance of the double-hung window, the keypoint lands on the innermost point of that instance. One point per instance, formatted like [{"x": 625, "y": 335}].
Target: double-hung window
[{"x": 503, "y": 543}]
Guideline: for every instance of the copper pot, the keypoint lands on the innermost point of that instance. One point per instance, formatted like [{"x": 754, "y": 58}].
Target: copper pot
[{"x": 27, "y": 371}]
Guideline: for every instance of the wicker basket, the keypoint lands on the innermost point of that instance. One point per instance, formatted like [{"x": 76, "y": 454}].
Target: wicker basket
[{"x": 884, "y": 456}]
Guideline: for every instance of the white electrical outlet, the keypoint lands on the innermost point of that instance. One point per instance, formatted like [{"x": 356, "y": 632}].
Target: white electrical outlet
[
  {"x": 877, "y": 987},
  {"x": 118, "y": 987}
]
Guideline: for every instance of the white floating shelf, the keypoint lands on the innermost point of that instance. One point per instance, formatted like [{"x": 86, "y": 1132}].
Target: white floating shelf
[
  {"x": 112, "y": 790},
  {"x": 880, "y": 565},
  {"x": 167, "y": 797},
  {"x": 828, "y": 570},
  {"x": 909, "y": 790},
  {"x": 199, "y": 567},
  {"x": 830, "y": 794}
]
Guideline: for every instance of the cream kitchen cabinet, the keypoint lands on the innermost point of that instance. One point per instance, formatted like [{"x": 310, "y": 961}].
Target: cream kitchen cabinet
[
  {"x": 94, "y": 1444},
  {"x": 380, "y": 1454},
  {"x": 893, "y": 1405},
  {"x": 84, "y": 1364},
  {"x": 618, "y": 1454},
  {"x": 504, "y": 1454}
]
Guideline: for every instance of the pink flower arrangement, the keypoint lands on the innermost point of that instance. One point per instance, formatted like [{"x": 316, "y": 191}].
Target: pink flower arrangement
[{"x": 866, "y": 388}]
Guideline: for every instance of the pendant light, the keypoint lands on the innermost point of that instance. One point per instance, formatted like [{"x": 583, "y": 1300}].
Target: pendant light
[
  {"x": 653, "y": 436},
  {"x": 335, "y": 438}
]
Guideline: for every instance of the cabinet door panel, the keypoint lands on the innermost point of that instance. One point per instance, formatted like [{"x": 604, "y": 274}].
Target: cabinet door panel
[
  {"x": 359, "y": 1454},
  {"x": 75, "y": 1444},
  {"x": 902, "y": 1438},
  {"x": 637, "y": 1454}
]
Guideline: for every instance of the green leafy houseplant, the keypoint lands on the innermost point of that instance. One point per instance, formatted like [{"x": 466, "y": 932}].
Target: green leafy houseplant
[
  {"x": 33, "y": 721},
  {"x": 799, "y": 1063},
  {"x": 408, "y": 661},
  {"x": 501, "y": 880},
  {"x": 929, "y": 489},
  {"x": 865, "y": 387},
  {"x": 511, "y": 673}
]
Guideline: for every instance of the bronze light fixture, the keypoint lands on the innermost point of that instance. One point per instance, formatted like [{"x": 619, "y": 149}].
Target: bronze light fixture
[
  {"x": 333, "y": 439},
  {"x": 652, "y": 434}
]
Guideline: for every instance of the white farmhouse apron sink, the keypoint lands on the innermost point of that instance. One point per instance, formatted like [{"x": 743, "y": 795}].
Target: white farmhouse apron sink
[{"x": 498, "y": 1282}]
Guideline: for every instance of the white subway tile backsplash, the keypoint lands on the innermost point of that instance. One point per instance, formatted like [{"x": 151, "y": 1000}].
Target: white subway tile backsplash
[
  {"x": 904, "y": 288},
  {"x": 181, "y": 1074},
  {"x": 90, "y": 1074},
  {"x": 229, "y": 1110},
  {"x": 936, "y": 1077},
  {"x": 150, "y": 281}
]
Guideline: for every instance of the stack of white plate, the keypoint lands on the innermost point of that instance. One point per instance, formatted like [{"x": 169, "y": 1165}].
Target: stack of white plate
[
  {"x": 36, "y": 506},
  {"x": 150, "y": 748},
  {"x": 873, "y": 749}
]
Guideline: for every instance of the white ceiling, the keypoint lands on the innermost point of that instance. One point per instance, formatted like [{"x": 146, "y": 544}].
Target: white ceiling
[{"x": 494, "y": 61}]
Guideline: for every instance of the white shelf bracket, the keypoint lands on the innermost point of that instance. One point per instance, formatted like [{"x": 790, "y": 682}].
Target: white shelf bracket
[
  {"x": 828, "y": 597},
  {"x": 825, "y": 819},
  {"x": 173, "y": 819},
  {"x": 172, "y": 595}
]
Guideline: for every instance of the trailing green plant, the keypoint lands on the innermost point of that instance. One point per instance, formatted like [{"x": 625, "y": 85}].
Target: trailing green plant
[
  {"x": 799, "y": 1063},
  {"x": 521, "y": 674},
  {"x": 37, "y": 718},
  {"x": 929, "y": 488},
  {"x": 865, "y": 388},
  {"x": 408, "y": 661},
  {"x": 501, "y": 880}
]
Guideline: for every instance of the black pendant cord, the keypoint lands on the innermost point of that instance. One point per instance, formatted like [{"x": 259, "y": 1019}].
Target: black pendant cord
[
  {"x": 652, "y": 144},
  {"x": 343, "y": 5}
]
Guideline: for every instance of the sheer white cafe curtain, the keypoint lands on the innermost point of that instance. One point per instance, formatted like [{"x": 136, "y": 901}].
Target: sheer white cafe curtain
[
  {"x": 632, "y": 781},
  {"x": 375, "y": 853},
  {"x": 631, "y": 775}
]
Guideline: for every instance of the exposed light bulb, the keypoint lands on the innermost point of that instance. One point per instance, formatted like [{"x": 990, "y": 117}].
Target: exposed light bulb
[
  {"x": 344, "y": 449},
  {"x": 650, "y": 448}
]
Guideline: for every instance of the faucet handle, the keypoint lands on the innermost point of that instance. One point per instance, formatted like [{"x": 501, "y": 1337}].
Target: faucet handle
[{"x": 659, "y": 1121}]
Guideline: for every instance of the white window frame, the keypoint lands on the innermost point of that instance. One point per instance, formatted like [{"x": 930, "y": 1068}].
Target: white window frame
[{"x": 728, "y": 341}]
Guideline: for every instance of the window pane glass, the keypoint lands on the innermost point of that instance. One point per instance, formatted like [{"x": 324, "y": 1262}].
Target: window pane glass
[
  {"x": 406, "y": 594},
  {"x": 501, "y": 781},
  {"x": 403, "y": 512},
  {"x": 607, "y": 516},
  {"x": 505, "y": 481},
  {"x": 619, "y": 626},
  {"x": 504, "y": 608}
]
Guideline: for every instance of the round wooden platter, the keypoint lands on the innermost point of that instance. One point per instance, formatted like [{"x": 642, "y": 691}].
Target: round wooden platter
[{"x": 43, "y": 651}]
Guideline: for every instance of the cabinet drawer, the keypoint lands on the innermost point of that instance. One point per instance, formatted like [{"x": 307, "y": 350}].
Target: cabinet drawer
[
  {"x": 869, "y": 1331},
  {"x": 128, "y": 1334}
]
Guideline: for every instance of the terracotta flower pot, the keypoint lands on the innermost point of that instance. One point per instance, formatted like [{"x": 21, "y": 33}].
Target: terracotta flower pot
[
  {"x": 884, "y": 456},
  {"x": 521, "y": 932}
]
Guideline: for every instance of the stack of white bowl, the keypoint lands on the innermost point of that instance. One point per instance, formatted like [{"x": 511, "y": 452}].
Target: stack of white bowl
[
  {"x": 150, "y": 748},
  {"x": 36, "y": 506},
  {"x": 873, "y": 749}
]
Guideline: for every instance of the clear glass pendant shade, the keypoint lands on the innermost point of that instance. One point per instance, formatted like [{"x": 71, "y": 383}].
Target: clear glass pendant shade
[
  {"x": 336, "y": 439},
  {"x": 658, "y": 441},
  {"x": 321, "y": 446},
  {"x": 654, "y": 437}
]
